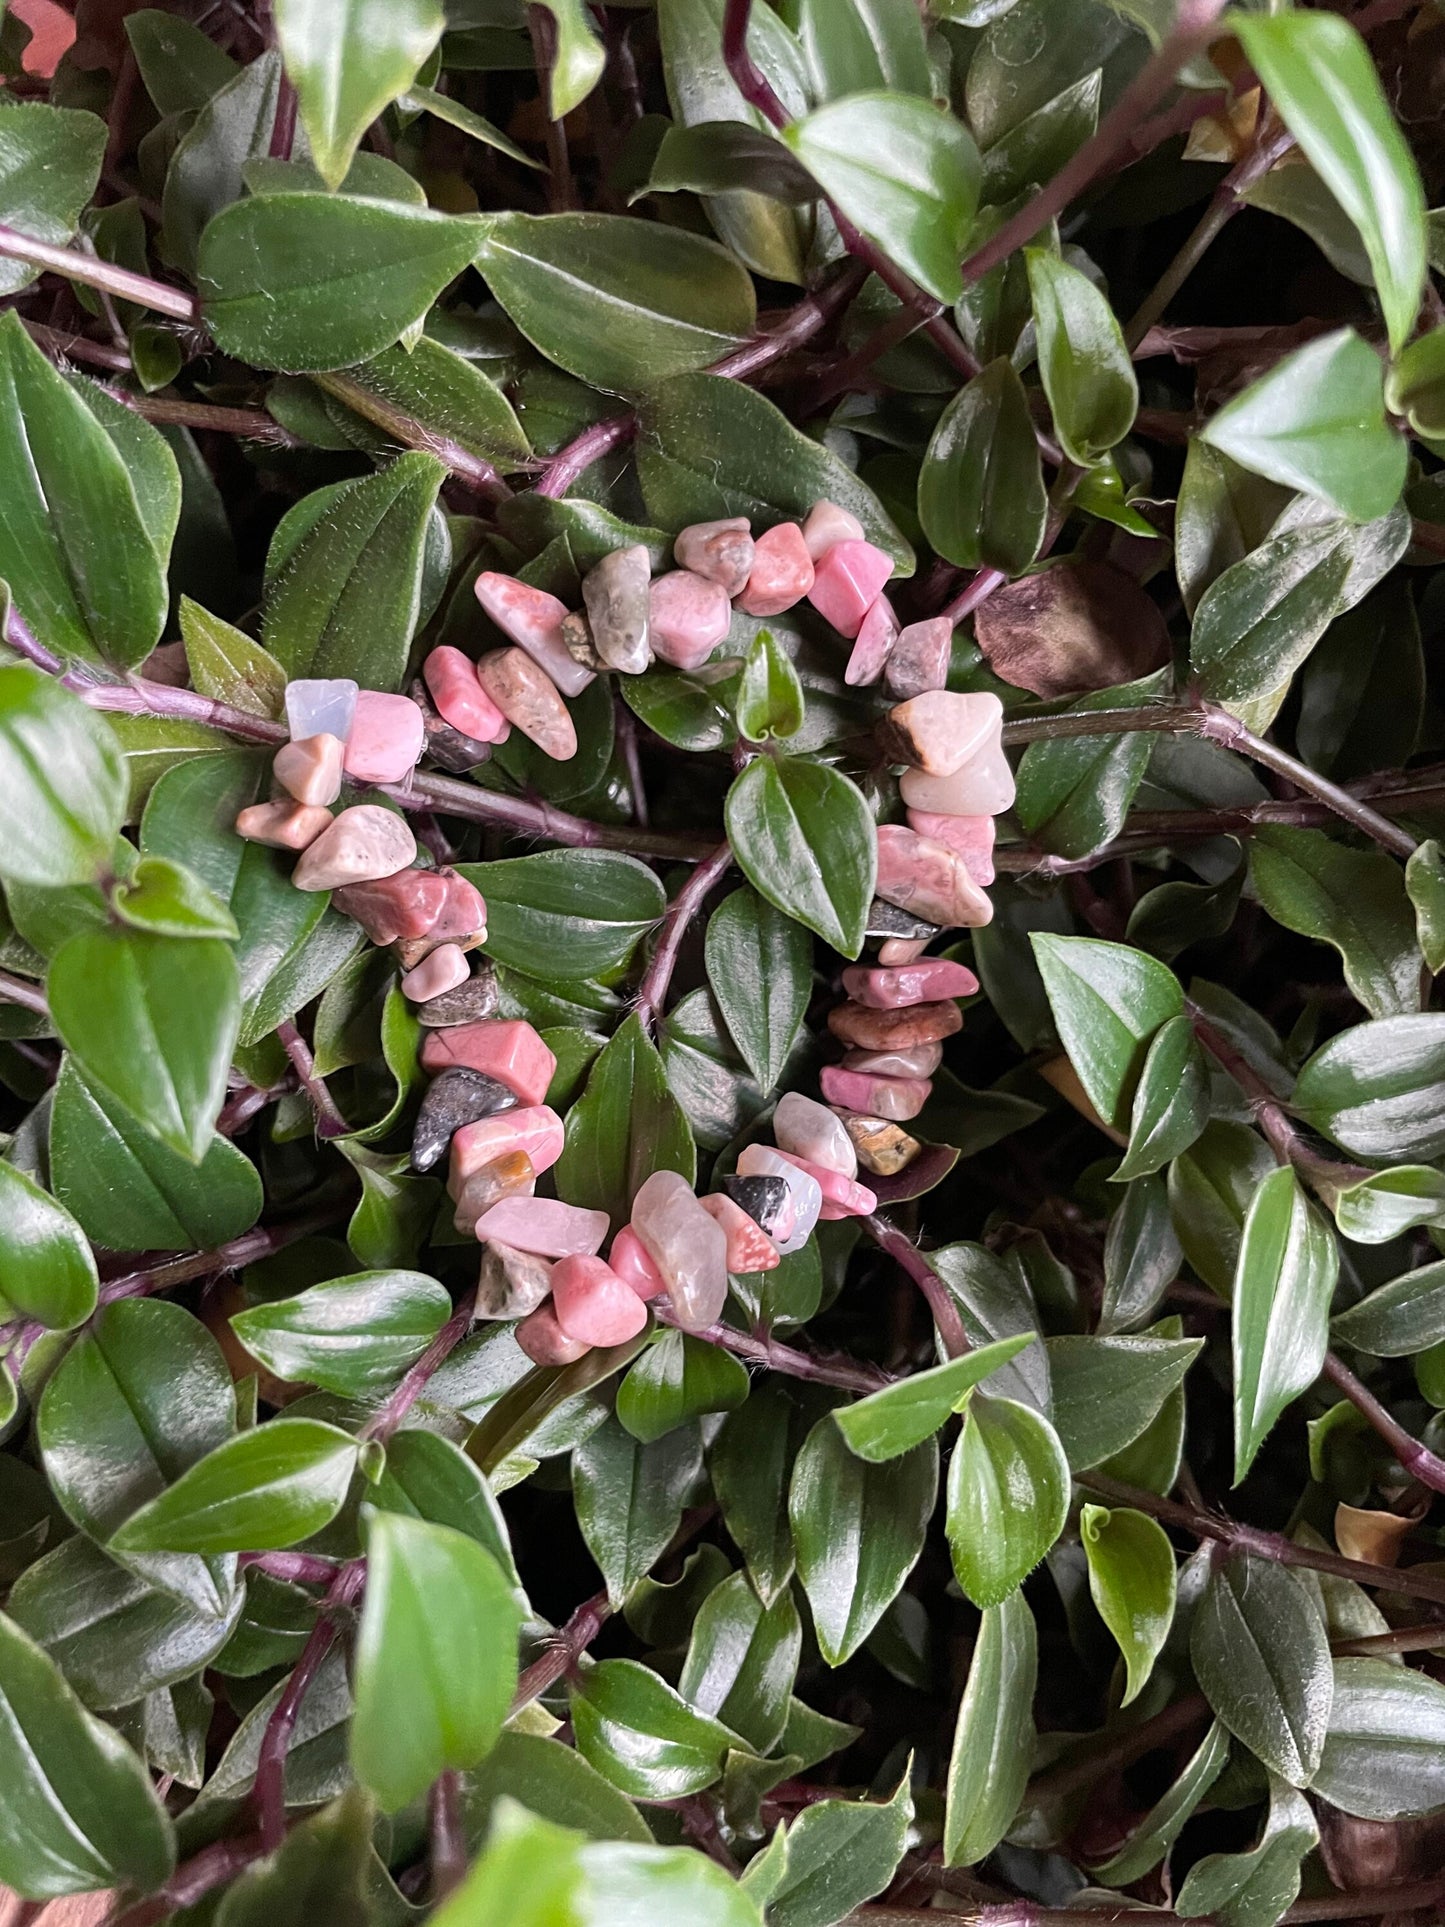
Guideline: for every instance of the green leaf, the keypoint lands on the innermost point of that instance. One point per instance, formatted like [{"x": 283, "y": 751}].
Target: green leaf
[
  {"x": 1322, "y": 80},
  {"x": 1316, "y": 421},
  {"x": 259, "y": 1491},
  {"x": 1075, "y": 791},
  {"x": 153, "y": 1020},
  {"x": 50, "y": 160},
  {"x": 1380, "y": 1208},
  {"x": 760, "y": 968},
  {"x": 554, "y": 1781},
  {"x": 1260, "y": 619},
  {"x": 1165, "y": 1821},
  {"x": 1109, "y": 1390},
  {"x": 351, "y": 1335},
  {"x": 47, "y": 1271},
  {"x": 1259, "y": 1651},
  {"x": 1401, "y": 1318},
  {"x": 840, "y": 1853},
  {"x": 994, "y": 1302},
  {"x": 993, "y": 1741},
  {"x": 742, "y": 1661},
  {"x": 864, "y": 44},
  {"x": 622, "y": 304},
  {"x": 1425, "y": 887},
  {"x": 207, "y": 171},
  {"x": 452, "y": 398},
  {"x": 1108, "y": 1001},
  {"x": 139, "y": 1398},
  {"x": 1008, "y": 1496},
  {"x": 892, "y": 1421},
  {"x": 981, "y": 495},
  {"x": 130, "y": 1192},
  {"x": 1132, "y": 1579},
  {"x": 1378, "y": 1090},
  {"x": 1254, "y": 1889},
  {"x": 709, "y": 447},
  {"x": 426, "y": 100},
  {"x": 180, "y": 67},
  {"x": 677, "y": 1379},
  {"x": 626, "y": 1125},
  {"x": 1223, "y": 513},
  {"x": 1415, "y": 384},
  {"x": 63, "y": 781},
  {"x": 1171, "y": 1103},
  {"x": 75, "y": 547},
  {"x": 1283, "y": 1283},
  {"x": 347, "y": 597},
  {"x": 307, "y": 281},
  {"x": 857, "y": 1531},
  {"x": 1383, "y": 1757},
  {"x": 751, "y": 1462},
  {"x": 1087, "y": 373},
  {"x": 115, "y": 1637},
  {"x": 323, "y": 1869},
  {"x": 529, "y": 1876},
  {"x": 1040, "y": 144},
  {"x": 427, "y": 1477},
  {"x": 578, "y": 59},
  {"x": 769, "y": 699},
  {"x": 81, "y": 1812},
  {"x": 1351, "y": 899},
  {"x": 904, "y": 172},
  {"x": 629, "y": 1498},
  {"x": 436, "y": 1657},
  {"x": 1141, "y": 1257},
  {"x": 1296, "y": 193},
  {"x": 805, "y": 839},
  {"x": 567, "y": 913},
  {"x": 643, "y": 1736},
  {"x": 348, "y": 59},
  {"x": 164, "y": 899},
  {"x": 317, "y": 1766}
]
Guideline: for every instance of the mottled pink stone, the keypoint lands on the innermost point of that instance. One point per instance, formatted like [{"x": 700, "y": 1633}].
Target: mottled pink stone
[
  {"x": 544, "y": 1225},
  {"x": 721, "y": 551},
  {"x": 893, "y": 1098},
  {"x": 810, "y": 1130},
  {"x": 443, "y": 970},
  {"x": 361, "y": 845},
  {"x": 461, "y": 700},
  {"x": 969, "y": 837},
  {"x": 827, "y": 525},
  {"x": 404, "y": 905},
  {"x": 983, "y": 786},
  {"x": 544, "y": 1341},
  {"x": 594, "y": 1305},
  {"x": 749, "y": 1246},
  {"x": 917, "y": 983},
  {"x": 628, "y": 1258},
  {"x": 463, "y": 911},
  {"x": 537, "y": 1131},
  {"x": 916, "y": 1060},
  {"x": 853, "y": 1199},
  {"x": 873, "y": 646},
  {"x": 847, "y": 582},
  {"x": 309, "y": 768},
  {"x": 942, "y": 729},
  {"x": 527, "y": 697},
  {"x": 928, "y": 879},
  {"x": 505, "y": 1048},
  {"x": 388, "y": 735},
  {"x": 688, "y": 1247},
  {"x": 782, "y": 572},
  {"x": 919, "y": 659},
  {"x": 690, "y": 617},
  {"x": 283, "y": 825},
  {"x": 533, "y": 619}
]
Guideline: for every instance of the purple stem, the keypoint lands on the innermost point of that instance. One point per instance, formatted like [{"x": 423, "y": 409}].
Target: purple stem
[
  {"x": 296, "y": 1568},
  {"x": 448, "y": 1841},
  {"x": 850, "y": 1374},
  {"x": 26, "y": 996},
  {"x": 283, "y": 126},
  {"x": 95, "y": 273},
  {"x": 911, "y": 1260},
  {"x": 329, "y": 1121},
  {"x": 564, "y": 1651},
  {"x": 386, "y": 1421},
  {"x": 652, "y": 991},
  {"x": 578, "y": 456},
  {"x": 269, "y": 1793}
]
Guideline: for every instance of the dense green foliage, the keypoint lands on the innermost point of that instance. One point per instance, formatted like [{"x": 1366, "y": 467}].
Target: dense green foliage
[{"x": 1059, "y": 1538}]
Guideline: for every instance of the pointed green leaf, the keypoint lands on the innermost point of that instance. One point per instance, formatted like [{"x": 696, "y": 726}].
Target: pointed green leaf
[
  {"x": 1108, "y": 1001},
  {"x": 1008, "y": 1496},
  {"x": 677, "y": 1379},
  {"x": 769, "y": 701},
  {"x": 47, "y": 1269},
  {"x": 626, "y": 1125},
  {"x": 1353, "y": 900},
  {"x": 643, "y": 1736},
  {"x": 348, "y": 59},
  {"x": 742, "y": 1661},
  {"x": 1163, "y": 1824},
  {"x": 1260, "y": 1653},
  {"x": 1254, "y": 1889},
  {"x": 629, "y": 1498},
  {"x": 840, "y": 1854},
  {"x": 1171, "y": 1104},
  {"x": 805, "y": 839},
  {"x": 981, "y": 496},
  {"x": 1087, "y": 373},
  {"x": 760, "y": 968},
  {"x": 1108, "y": 1390},
  {"x": 351, "y": 1335},
  {"x": 1378, "y": 1090},
  {"x": 993, "y": 1741},
  {"x": 1132, "y": 1578},
  {"x": 1385, "y": 1747},
  {"x": 260, "y": 1491},
  {"x": 1283, "y": 1282},
  {"x": 892, "y": 1421}
]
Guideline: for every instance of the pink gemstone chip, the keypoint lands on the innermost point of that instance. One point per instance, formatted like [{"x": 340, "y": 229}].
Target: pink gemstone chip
[
  {"x": 544, "y": 1225},
  {"x": 969, "y": 837},
  {"x": 537, "y": 1131},
  {"x": 361, "y": 845},
  {"x": 875, "y": 643},
  {"x": 309, "y": 768},
  {"x": 395, "y": 907},
  {"x": 507, "y": 1049},
  {"x": 387, "y": 738},
  {"x": 443, "y": 970},
  {"x": 854, "y": 1199},
  {"x": 633, "y": 1266},
  {"x": 782, "y": 572},
  {"x": 846, "y": 584},
  {"x": 594, "y": 1305},
  {"x": 690, "y": 616},
  {"x": 533, "y": 619},
  {"x": 283, "y": 825},
  {"x": 920, "y": 657},
  {"x": 461, "y": 700},
  {"x": 826, "y": 526},
  {"x": 918, "y": 983},
  {"x": 928, "y": 879},
  {"x": 542, "y": 1338},
  {"x": 749, "y": 1246},
  {"x": 894, "y": 1098}
]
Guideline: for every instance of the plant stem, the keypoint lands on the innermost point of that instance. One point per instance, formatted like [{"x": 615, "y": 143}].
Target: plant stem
[
  {"x": 1204, "y": 1524},
  {"x": 543, "y": 31},
  {"x": 254, "y": 424},
  {"x": 1418, "y": 1460},
  {"x": 72, "y": 347},
  {"x": 294, "y": 1568},
  {"x": 578, "y": 456},
  {"x": 268, "y": 1795},
  {"x": 1401, "y": 1639},
  {"x": 1193, "y": 27},
  {"x": 850, "y": 1374},
  {"x": 1118, "y": 1750},
  {"x": 652, "y": 992},
  {"x": 25, "y": 995},
  {"x": 448, "y": 1842},
  {"x": 414, "y": 1383},
  {"x": 95, "y": 273},
  {"x": 564, "y": 1651},
  {"x": 283, "y": 126},
  {"x": 479, "y": 475},
  {"x": 911, "y": 1260},
  {"x": 329, "y": 1121}
]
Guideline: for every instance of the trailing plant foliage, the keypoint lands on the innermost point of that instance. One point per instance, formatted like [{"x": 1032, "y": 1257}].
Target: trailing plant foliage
[{"x": 1054, "y": 1540}]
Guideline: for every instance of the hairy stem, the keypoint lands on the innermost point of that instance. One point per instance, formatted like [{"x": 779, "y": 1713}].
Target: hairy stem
[
  {"x": 652, "y": 992},
  {"x": 448, "y": 1841},
  {"x": 268, "y": 1795},
  {"x": 564, "y": 1651},
  {"x": 911, "y": 1260},
  {"x": 850, "y": 1374},
  {"x": 414, "y": 1383},
  {"x": 23, "y": 994},
  {"x": 477, "y": 474},
  {"x": 329, "y": 1121},
  {"x": 158, "y": 296}
]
